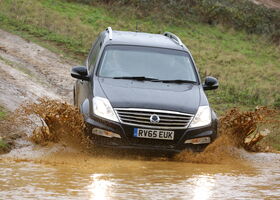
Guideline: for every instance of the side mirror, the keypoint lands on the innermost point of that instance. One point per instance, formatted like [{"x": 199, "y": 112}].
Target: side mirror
[
  {"x": 80, "y": 73},
  {"x": 210, "y": 83}
]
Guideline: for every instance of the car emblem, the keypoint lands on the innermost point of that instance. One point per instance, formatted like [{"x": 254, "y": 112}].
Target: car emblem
[{"x": 154, "y": 119}]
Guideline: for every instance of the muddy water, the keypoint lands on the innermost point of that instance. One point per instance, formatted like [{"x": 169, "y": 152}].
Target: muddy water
[
  {"x": 55, "y": 161},
  {"x": 256, "y": 176}
]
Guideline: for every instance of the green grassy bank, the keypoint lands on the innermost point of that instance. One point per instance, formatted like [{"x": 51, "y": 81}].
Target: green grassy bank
[
  {"x": 3, "y": 145},
  {"x": 2, "y": 113},
  {"x": 247, "y": 66}
]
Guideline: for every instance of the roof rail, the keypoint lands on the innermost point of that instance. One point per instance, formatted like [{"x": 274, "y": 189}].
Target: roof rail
[
  {"x": 109, "y": 30},
  {"x": 174, "y": 37}
]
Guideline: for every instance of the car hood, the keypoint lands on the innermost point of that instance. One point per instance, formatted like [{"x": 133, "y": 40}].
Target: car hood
[{"x": 151, "y": 95}]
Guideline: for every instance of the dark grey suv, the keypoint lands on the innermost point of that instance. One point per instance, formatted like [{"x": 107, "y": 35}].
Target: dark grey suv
[{"x": 143, "y": 91}]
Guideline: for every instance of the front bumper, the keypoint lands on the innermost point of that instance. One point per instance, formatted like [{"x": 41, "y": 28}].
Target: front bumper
[{"x": 128, "y": 141}]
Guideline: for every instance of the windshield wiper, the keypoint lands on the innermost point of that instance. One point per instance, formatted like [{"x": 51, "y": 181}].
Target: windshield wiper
[
  {"x": 176, "y": 81},
  {"x": 144, "y": 78},
  {"x": 138, "y": 78}
]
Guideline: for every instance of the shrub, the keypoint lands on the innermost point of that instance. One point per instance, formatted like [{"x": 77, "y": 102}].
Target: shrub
[
  {"x": 241, "y": 14},
  {"x": 277, "y": 102}
]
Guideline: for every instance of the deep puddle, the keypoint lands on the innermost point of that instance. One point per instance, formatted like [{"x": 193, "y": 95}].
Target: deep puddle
[
  {"x": 109, "y": 178},
  {"x": 59, "y": 163}
]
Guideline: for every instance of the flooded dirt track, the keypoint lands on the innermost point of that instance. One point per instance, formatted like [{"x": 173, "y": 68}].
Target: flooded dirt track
[{"x": 108, "y": 178}]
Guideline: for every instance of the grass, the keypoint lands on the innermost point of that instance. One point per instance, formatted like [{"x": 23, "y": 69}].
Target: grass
[
  {"x": 247, "y": 66},
  {"x": 2, "y": 113},
  {"x": 2, "y": 144},
  {"x": 273, "y": 139},
  {"x": 4, "y": 147}
]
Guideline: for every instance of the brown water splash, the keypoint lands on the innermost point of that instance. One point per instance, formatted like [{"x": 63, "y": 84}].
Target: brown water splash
[
  {"x": 60, "y": 122},
  {"x": 237, "y": 129}
]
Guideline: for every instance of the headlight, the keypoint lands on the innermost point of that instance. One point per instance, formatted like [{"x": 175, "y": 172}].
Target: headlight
[
  {"x": 202, "y": 117},
  {"x": 103, "y": 108}
]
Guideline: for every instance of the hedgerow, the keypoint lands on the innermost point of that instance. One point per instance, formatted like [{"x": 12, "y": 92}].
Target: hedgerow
[{"x": 240, "y": 14}]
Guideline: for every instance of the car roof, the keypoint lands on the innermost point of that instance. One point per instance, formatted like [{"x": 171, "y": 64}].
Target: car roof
[{"x": 143, "y": 39}]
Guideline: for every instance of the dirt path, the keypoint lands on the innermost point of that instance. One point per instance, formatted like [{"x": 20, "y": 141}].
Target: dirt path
[
  {"x": 269, "y": 3},
  {"x": 29, "y": 71}
]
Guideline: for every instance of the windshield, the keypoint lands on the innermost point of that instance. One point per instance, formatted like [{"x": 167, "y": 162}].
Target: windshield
[{"x": 157, "y": 63}]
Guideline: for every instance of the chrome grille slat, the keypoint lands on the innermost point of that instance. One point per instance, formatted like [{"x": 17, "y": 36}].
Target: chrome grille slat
[
  {"x": 179, "y": 117},
  {"x": 130, "y": 113},
  {"x": 174, "y": 120},
  {"x": 135, "y": 117},
  {"x": 141, "y": 118}
]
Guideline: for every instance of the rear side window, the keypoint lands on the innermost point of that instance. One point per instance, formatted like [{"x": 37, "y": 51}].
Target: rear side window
[{"x": 94, "y": 55}]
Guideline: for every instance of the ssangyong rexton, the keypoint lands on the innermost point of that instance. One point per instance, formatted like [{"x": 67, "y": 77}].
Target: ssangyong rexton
[{"x": 143, "y": 91}]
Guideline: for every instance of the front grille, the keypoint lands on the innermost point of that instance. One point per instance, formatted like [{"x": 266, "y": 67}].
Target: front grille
[{"x": 141, "y": 118}]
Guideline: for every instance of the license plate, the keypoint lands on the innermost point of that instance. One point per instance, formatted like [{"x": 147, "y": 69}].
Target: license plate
[{"x": 153, "y": 134}]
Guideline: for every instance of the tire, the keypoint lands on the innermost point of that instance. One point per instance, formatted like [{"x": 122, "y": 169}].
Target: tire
[{"x": 74, "y": 96}]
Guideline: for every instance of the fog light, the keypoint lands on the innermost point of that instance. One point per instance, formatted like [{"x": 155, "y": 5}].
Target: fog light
[
  {"x": 104, "y": 133},
  {"x": 201, "y": 140}
]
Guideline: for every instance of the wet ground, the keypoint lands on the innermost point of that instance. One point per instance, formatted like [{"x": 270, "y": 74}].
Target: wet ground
[
  {"x": 50, "y": 168},
  {"x": 29, "y": 71},
  {"x": 76, "y": 176}
]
